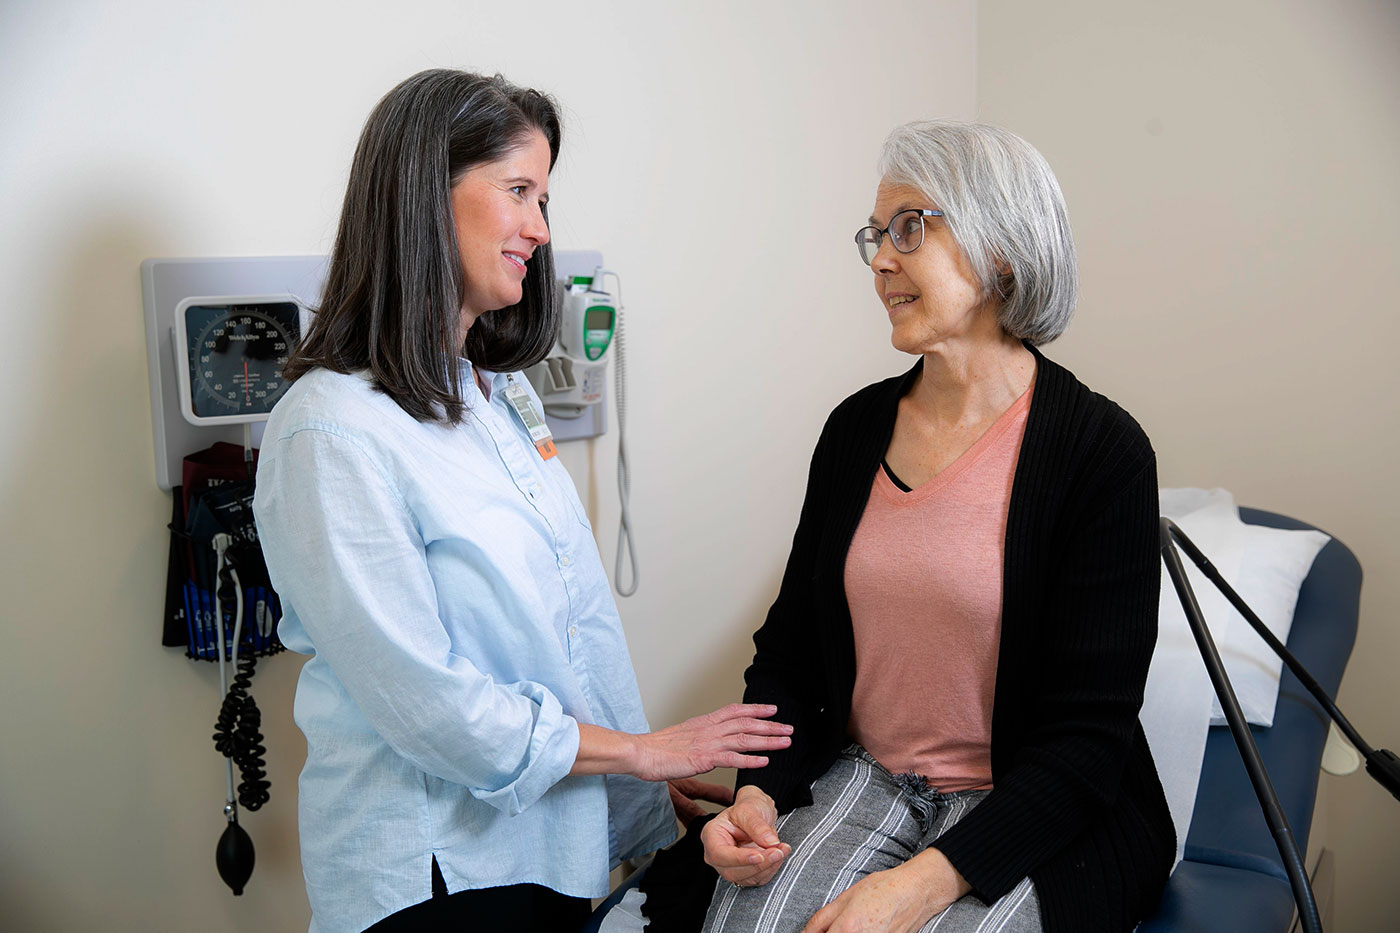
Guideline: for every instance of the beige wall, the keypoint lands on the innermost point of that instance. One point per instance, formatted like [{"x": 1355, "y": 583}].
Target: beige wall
[
  {"x": 1231, "y": 171},
  {"x": 719, "y": 154}
]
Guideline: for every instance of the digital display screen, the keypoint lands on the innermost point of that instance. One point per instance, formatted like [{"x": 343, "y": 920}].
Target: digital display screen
[{"x": 598, "y": 318}]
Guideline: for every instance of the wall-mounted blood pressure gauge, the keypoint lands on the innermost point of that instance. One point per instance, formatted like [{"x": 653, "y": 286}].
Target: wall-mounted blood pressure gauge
[{"x": 229, "y": 355}]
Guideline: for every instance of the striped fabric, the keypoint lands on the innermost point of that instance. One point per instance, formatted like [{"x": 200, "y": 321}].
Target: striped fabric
[{"x": 862, "y": 820}]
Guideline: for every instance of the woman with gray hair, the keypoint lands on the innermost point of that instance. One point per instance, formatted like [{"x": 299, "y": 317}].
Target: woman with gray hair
[{"x": 963, "y": 631}]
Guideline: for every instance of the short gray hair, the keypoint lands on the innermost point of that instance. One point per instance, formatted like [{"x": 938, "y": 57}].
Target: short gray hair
[{"x": 1004, "y": 209}]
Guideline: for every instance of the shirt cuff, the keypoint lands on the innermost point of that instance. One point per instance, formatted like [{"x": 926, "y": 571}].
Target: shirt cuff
[{"x": 552, "y": 754}]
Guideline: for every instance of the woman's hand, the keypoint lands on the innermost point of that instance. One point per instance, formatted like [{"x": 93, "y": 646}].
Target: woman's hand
[
  {"x": 898, "y": 900},
  {"x": 685, "y": 791},
  {"x": 716, "y": 740},
  {"x": 741, "y": 843}
]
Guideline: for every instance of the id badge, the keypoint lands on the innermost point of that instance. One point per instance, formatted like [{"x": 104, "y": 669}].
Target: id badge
[{"x": 525, "y": 410}]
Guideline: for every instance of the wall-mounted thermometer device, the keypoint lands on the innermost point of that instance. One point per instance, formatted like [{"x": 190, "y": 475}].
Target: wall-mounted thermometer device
[
  {"x": 229, "y": 355},
  {"x": 588, "y": 320},
  {"x": 571, "y": 379}
]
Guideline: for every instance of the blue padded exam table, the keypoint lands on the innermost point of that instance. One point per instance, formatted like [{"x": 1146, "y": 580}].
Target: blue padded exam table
[{"x": 1231, "y": 876}]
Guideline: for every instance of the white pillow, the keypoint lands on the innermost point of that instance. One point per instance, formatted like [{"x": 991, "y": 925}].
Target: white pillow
[
  {"x": 1275, "y": 563},
  {"x": 1176, "y": 702},
  {"x": 1178, "y": 503},
  {"x": 1266, "y": 566}
]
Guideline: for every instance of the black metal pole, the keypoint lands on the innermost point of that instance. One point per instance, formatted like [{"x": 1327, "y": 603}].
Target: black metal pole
[
  {"x": 1244, "y": 740},
  {"x": 1382, "y": 764}
]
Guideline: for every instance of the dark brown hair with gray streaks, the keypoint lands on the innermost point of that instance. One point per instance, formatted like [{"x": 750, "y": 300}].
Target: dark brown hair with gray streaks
[{"x": 392, "y": 301}]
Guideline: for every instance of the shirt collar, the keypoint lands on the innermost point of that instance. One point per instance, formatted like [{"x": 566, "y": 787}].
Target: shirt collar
[{"x": 493, "y": 380}]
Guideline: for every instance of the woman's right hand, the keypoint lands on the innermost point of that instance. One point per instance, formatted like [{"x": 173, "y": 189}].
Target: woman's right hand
[
  {"x": 741, "y": 843},
  {"x": 721, "y": 739}
]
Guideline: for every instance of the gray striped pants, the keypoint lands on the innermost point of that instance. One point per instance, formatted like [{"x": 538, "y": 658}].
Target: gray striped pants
[{"x": 862, "y": 820}]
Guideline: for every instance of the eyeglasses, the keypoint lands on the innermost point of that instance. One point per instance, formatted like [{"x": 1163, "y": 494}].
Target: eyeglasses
[{"x": 906, "y": 232}]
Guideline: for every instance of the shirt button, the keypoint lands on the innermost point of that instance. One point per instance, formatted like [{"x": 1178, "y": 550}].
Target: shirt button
[
  {"x": 564, "y": 561},
  {"x": 573, "y": 631}
]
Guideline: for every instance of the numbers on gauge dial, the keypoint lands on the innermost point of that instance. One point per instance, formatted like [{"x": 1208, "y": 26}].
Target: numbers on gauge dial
[{"x": 237, "y": 359}]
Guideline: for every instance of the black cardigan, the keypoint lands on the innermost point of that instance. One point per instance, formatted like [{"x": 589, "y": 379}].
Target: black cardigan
[{"x": 1076, "y": 803}]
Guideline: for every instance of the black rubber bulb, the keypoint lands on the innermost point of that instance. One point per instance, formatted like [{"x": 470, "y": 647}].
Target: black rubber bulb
[{"x": 234, "y": 857}]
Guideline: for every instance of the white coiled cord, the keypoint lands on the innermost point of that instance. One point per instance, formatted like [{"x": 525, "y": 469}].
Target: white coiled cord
[
  {"x": 222, "y": 542},
  {"x": 625, "y": 541}
]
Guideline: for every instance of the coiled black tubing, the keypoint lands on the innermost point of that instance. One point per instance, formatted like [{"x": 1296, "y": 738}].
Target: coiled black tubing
[
  {"x": 237, "y": 732},
  {"x": 237, "y": 736}
]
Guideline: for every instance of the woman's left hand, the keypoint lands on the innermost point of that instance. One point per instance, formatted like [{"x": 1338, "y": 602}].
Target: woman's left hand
[
  {"x": 685, "y": 791},
  {"x": 898, "y": 900}
]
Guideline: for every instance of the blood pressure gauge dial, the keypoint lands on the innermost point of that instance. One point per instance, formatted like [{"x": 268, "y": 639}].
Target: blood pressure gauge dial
[{"x": 230, "y": 353}]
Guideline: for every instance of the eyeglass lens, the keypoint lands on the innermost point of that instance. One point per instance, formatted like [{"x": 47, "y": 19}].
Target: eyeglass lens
[{"x": 906, "y": 230}]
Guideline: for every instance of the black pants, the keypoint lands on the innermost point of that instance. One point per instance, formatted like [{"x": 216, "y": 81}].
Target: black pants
[{"x": 527, "y": 908}]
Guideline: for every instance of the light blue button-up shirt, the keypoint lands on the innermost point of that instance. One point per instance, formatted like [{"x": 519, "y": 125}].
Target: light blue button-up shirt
[{"x": 447, "y": 586}]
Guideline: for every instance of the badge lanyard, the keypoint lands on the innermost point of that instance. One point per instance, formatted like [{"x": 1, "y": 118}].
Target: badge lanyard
[{"x": 525, "y": 410}]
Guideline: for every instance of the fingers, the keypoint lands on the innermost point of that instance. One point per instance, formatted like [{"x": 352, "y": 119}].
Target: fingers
[
  {"x": 727, "y": 738},
  {"x": 704, "y": 790},
  {"x": 744, "y": 861},
  {"x": 758, "y": 742},
  {"x": 746, "y": 858},
  {"x": 823, "y": 919},
  {"x": 712, "y": 748},
  {"x": 751, "y": 726},
  {"x": 734, "y": 854},
  {"x": 752, "y": 718},
  {"x": 736, "y": 760},
  {"x": 742, "y": 711},
  {"x": 754, "y": 823},
  {"x": 686, "y": 808},
  {"x": 746, "y": 742},
  {"x": 746, "y": 865},
  {"x": 732, "y": 749},
  {"x": 755, "y": 877}
]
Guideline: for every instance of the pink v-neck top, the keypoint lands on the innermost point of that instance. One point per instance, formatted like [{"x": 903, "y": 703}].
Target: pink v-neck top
[{"x": 923, "y": 581}]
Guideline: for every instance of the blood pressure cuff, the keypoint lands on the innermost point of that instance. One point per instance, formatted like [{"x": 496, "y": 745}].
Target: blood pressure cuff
[
  {"x": 173, "y": 630},
  {"x": 216, "y": 498}
]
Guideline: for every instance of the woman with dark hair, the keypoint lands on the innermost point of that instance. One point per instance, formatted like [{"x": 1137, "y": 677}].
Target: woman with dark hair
[
  {"x": 477, "y": 755},
  {"x": 962, "y": 634}
]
